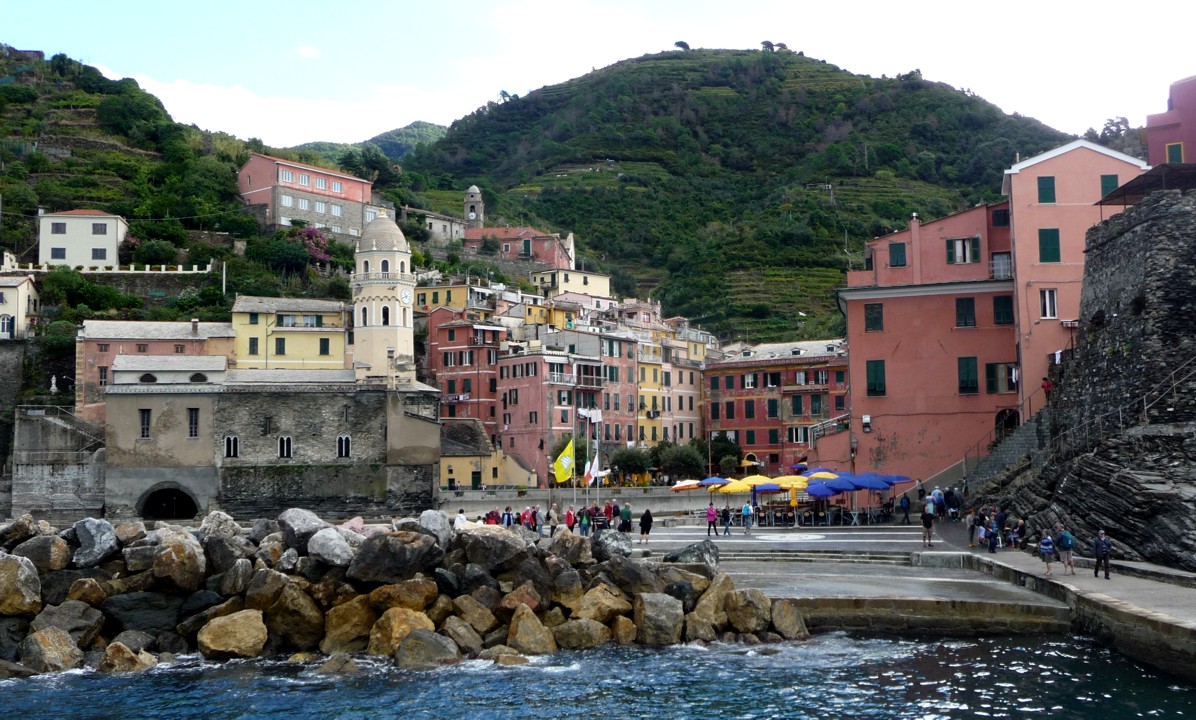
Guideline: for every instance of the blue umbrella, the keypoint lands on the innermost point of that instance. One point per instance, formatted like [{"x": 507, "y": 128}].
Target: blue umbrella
[
  {"x": 869, "y": 482},
  {"x": 820, "y": 490},
  {"x": 896, "y": 478},
  {"x": 713, "y": 481},
  {"x": 843, "y": 483}
]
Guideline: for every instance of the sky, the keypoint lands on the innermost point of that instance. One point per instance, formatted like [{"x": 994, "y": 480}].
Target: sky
[{"x": 300, "y": 71}]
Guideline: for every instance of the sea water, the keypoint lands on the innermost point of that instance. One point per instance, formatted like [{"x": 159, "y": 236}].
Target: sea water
[{"x": 832, "y": 676}]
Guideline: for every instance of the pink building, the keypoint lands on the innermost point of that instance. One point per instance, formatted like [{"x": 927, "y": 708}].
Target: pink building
[
  {"x": 1052, "y": 204},
  {"x": 287, "y": 191},
  {"x": 1171, "y": 135},
  {"x": 932, "y": 346},
  {"x": 463, "y": 364},
  {"x": 522, "y": 243}
]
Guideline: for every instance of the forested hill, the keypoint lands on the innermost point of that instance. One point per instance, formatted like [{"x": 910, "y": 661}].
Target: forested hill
[
  {"x": 394, "y": 144},
  {"x": 729, "y": 183}
]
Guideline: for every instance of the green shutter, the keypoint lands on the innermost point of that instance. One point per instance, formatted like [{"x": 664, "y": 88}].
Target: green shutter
[
  {"x": 950, "y": 252},
  {"x": 1002, "y": 310},
  {"x": 976, "y": 249},
  {"x": 774, "y": 437},
  {"x": 968, "y": 382},
  {"x": 1108, "y": 183},
  {"x": 1175, "y": 153},
  {"x": 990, "y": 377},
  {"x": 1046, "y": 189},
  {"x": 876, "y": 377},
  {"x": 1048, "y": 245}
]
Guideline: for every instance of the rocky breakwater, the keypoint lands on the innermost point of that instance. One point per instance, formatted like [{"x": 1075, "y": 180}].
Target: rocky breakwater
[{"x": 123, "y": 598}]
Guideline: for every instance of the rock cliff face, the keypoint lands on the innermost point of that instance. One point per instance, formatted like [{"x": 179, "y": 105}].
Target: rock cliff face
[{"x": 1123, "y": 422}]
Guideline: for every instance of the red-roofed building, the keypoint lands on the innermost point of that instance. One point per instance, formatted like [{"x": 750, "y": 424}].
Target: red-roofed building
[
  {"x": 80, "y": 238},
  {"x": 286, "y": 191},
  {"x": 522, "y": 243}
]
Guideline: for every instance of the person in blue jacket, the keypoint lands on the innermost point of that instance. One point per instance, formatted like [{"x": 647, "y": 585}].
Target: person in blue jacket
[{"x": 1101, "y": 547}]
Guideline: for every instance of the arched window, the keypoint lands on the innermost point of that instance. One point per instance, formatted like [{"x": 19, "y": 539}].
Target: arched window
[
  {"x": 365, "y": 266},
  {"x": 402, "y": 266},
  {"x": 344, "y": 446},
  {"x": 385, "y": 315},
  {"x": 148, "y": 378},
  {"x": 284, "y": 446},
  {"x": 365, "y": 317},
  {"x": 199, "y": 377},
  {"x": 232, "y": 446},
  {"x": 385, "y": 266}
]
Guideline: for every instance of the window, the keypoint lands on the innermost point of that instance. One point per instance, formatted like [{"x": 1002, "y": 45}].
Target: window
[
  {"x": 1046, "y": 189},
  {"x": 750, "y": 437},
  {"x": 304, "y": 204},
  {"x": 337, "y": 186},
  {"x": 874, "y": 317},
  {"x": 714, "y": 411},
  {"x": 192, "y": 422},
  {"x": 963, "y": 250},
  {"x": 103, "y": 376},
  {"x": 1108, "y": 183},
  {"x": 180, "y": 349},
  {"x": 253, "y": 318},
  {"x": 1048, "y": 245},
  {"x": 840, "y": 377},
  {"x": 324, "y": 347},
  {"x": 840, "y": 403},
  {"x": 714, "y": 382},
  {"x": 321, "y": 183},
  {"x": 145, "y": 417},
  {"x": 103, "y": 347},
  {"x": 198, "y": 378},
  {"x": 1000, "y": 218},
  {"x": 99, "y": 253},
  {"x": 285, "y": 175},
  {"x": 1000, "y": 377},
  {"x": 253, "y": 346},
  {"x": 232, "y": 446},
  {"x": 774, "y": 436},
  {"x": 795, "y": 406},
  {"x": 729, "y": 406},
  {"x": 729, "y": 382},
  {"x": 304, "y": 179},
  {"x": 58, "y": 253},
  {"x": 344, "y": 446},
  {"x": 897, "y": 254},
  {"x": 1048, "y": 308},
  {"x": 965, "y": 312},
  {"x": 58, "y": 228},
  {"x": 280, "y": 346},
  {"x": 875, "y": 370},
  {"x": 815, "y": 404},
  {"x": 969, "y": 383},
  {"x": 749, "y": 409},
  {"x": 148, "y": 378},
  {"x": 1002, "y": 266},
  {"x": 288, "y": 201},
  {"x": 142, "y": 347},
  {"x": 799, "y": 434},
  {"x": 749, "y": 381},
  {"x": 336, "y": 210},
  {"x": 1175, "y": 152},
  {"x": 370, "y": 216},
  {"x": 385, "y": 315},
  {"x": 99, "y": 228},
  {"x": 284, "y": 446},
  {"x": 772, "y": 408},
  {"x": 1002, "y": 310}
]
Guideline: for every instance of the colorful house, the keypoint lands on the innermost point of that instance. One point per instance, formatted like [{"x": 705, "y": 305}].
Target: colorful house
[
  {"x": 1171, "y": 135},
  {"x": 284, "y": 191},
  {"x": 20, "y": 305},
  {"x": 292, "y": 333},
  {"x": 518, "y": 243},
  {"x": 462, "y": 357}
]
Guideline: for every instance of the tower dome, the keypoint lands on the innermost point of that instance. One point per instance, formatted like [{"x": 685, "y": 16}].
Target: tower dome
[{"x": 383, "y": 234}]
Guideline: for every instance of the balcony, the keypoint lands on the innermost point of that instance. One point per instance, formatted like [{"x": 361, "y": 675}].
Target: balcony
[
  {"x": 562, "y": 379},
  {"x": 590, "y": 381},
  {"x": 381, "y": 277}
]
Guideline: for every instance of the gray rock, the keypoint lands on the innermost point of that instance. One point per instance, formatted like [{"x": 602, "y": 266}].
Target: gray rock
[
  {"x": 393, "y": 557},
  {"x": 50, "y": 650},
  {"x": 219, "y": 524},
  {"x": 476, "y": 576},
  {"x": 136, "y": 640},
  {"x": 437, "y": 523},
  {"x": 447, "y": 582},
  {"x": 632, "y": 576},
  {"x": 236, "y": 580},
  {"x": 338, "y": 664},
  {"x": 10, "y": 670},
  {"x": 17, "y": 532},
  {"x": 705, "y": 553},
  {"x": 463, "y": 634},
  {"x": 660, "y": 619},
  {"x": 20, "y": 587},
  {"x": 97, "y": 542},
  {"x": 610, "y": 543},
  {"x": 298, "y": 526},
  {"x": 263, "y": 528},
  {"x": 139, "y": 559},
  {"x": 684, "y": 591},
  {"x": 170, "y": 642},
  {"x": 490, "y": 546},
  {"x": 224, "y": 550},
  {"x": 48, "y": 552},
  {"x": 289, "y": 561},
  {"x": 264, "y": 589},
  {"x": 581, "y": 634},
  {"x": 12, "y": 631},
  {"x": 56, "y": 585},
  {"x": 424, "y": 648},
  {"x": 152, "y": 612},
  {"x": 80, "y": 620},
  {"x": 328, "y": 546},
  {"x": 355, "y": 539}
]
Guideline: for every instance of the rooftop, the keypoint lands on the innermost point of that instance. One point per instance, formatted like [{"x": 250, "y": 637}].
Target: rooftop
[
  {"x": 146, "y": 330},
  {"x": 267, "y": 305},
  {"x": 806, "y": 349},
  {"x": 160, "y": 363},
  {"x": 289, "y": 377},
  {"x": 83, "y": 211}
]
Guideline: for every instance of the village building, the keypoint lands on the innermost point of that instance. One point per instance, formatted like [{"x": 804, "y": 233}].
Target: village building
[
  {"x": 20, "y": 306},
  {"x": 80, "y": 238},
  {"x": 1171, "y": 135},
  {"x": 281, "y": 192},
  {"x": 290, "y": 333}
]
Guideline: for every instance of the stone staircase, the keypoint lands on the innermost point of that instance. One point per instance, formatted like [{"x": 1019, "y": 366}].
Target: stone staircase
[
  {"x": 1026, "y": 442},
  {"x": 845, "y": 557}
]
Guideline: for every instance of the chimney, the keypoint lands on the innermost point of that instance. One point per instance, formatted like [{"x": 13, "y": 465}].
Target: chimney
[{"x": 195, "y": 326}]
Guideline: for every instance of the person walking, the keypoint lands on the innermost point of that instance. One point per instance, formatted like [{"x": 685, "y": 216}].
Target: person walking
[
  {"x": 711, "y": 520},
  {"x": 584, "y": 518},
  {"x": 727, "y": 520},
  {"x": 554, "y": 519},
  {"x": 905, "y": 509},
  {"x": 570, "y": 518},
  {"x": 507, "y": 519},
  {"x": 645, "y": 526},
  {"x": 928, "y": 523},
  {"x": 625, "y": 518},
  {"x": 747, "y": 518},
  {"x": 1065, "y": 542},
  {"x": 1046, "y": 548},
  {"x": 1101, "y": 547}
]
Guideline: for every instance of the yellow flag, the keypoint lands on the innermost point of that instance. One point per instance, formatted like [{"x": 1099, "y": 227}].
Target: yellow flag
[{"x": 563, "y": 467}]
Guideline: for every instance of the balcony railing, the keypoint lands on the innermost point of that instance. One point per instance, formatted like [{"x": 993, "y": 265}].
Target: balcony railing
[
  {"x": 382, "y": 277},
  {"x": 562, "y": 378}
]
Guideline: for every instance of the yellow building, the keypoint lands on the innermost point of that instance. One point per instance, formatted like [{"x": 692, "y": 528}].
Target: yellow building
[
  {"x": 560, "y": 315},
  {"x": 555, "y": 282},
  {"x": 651, "y": 407},
  {"x": 290, "y": 333}
]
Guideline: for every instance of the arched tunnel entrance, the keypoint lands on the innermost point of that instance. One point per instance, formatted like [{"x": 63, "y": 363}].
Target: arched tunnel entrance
[{"x": 168, "y": 504}]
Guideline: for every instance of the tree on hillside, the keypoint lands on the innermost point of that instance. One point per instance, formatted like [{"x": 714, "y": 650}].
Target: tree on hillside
[
  {"x": 767, "y": 46},
  {"x": 780, "y": 46},
  {"x": 681, "y": 44}
]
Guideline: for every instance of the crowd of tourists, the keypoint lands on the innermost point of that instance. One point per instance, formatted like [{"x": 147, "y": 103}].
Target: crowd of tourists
[{"x": 583, "y": 521}]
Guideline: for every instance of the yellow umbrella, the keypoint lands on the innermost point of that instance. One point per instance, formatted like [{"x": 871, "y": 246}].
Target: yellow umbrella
[
  {"x": 791, "y": 482},
  {"x": 735, "y": 486},
  {"x": 753, "y": 480},
  {"x": 747, "y": 463},
  {"x": 822, "y": 475}
]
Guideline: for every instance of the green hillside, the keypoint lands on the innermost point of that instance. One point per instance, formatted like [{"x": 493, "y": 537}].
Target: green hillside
[
  {"x": 394, "y": 144},
  {"x": 731, "y": 184}
]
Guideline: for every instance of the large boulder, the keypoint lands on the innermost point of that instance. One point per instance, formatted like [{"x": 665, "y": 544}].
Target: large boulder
[
  {"x": 118, "y": 658},
  {"x": 414, "y": 594},
  {"x": 50, "y": 650},
  {"x": 219, "y": 524},
  {"x": 610, "y": 543},
  {"x": 152, "y": 612},
  {"x": 684, "y": 591},
  {"x": 632, "y": 576},
  {"x": 393, "y": 557},
  {"x": 394, "y": 625},
  {"x": 438, "y": 524},
  {"x": 787, "y": 620},
  {"x": 236, "y": 579},
  {"x": 705, "y": 553},
  {"x": 264, "y": 589},
  {"x": 80, "y": 620},
  {"x": 12, "y": 631},
  {"x": 224, "y": 550},
  {"x": 711, "y": 607},
  {"x": 57, "y": 585},
  {"x": 624, "y": 630},
  {"x": 602, "y": 603},
  {"x": 749, "y": 611},
  {"x": 97, "y": 542},
  {"x": 567, "y": 589},
  {"x": 424, "y": 648},
  {"x": 135, "y": 640},
  {"x": 298, "y": 526},
  {"x": 490, "y": 546},
  {"x": 295, "y": 620},
  {"x": 524, "y": 595},
  {"x": 463, "y": 634},
  {"x": 47, "y": 552},
  {"x": 330, "y": 547},
  {"x": 347, "y": 626},
  {"x": 574, "y": 549},
  {"x": 239, "y": 635},
  {"x": 17, "y": 532},
  {"x": 660, "y": 619},
  {"x": 479, "y": 617},
  {"x": 129, "y": 532},
  {"x": 528, "y": 635},
  {"x": 476, "y": 576},
  {"x": 581, "y": 634},
  {"x": 20, "y": 587},
  {"x": 87, "y": 590},
  {"x": 193, "y": 623},
  {"x": 139, "y": 558},
  {"x": 180, "y": 560},
  {"x": 10, "y": 670}
]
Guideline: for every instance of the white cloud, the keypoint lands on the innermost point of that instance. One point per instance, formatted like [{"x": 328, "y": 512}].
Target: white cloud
[{"x": 307, "y": 51}]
